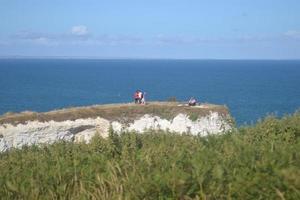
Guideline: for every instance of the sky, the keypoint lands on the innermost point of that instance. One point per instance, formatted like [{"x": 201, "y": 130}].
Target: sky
[{"x": 190, "y": 29}]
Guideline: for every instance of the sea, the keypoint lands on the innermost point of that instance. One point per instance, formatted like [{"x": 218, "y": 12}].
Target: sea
[{"x": 251, "y": 89}]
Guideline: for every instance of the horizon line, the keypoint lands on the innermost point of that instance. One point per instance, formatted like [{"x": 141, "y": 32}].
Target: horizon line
[{"x": 134, "y": 58}]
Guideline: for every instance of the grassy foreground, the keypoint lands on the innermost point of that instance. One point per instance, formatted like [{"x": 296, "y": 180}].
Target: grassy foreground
[{"x": 258, "y": 162}]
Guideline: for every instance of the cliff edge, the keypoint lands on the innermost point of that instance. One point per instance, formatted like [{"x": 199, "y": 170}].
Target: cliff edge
[{"x": 82, "y": 123}]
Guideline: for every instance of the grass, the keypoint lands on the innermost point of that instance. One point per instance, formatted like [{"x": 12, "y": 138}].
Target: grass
[
  {"x": 124, "y": 113},
  {"x": 193, "y": 116},
  {"x": 256, "y": 162}
]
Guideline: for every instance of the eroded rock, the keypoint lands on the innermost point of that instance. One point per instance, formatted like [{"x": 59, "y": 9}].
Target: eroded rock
[{"x": 83, "y": 130}]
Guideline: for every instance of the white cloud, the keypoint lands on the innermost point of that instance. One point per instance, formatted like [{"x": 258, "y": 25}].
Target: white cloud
[
  {"x": 45, "y": 41},
  {"x": 79, "y": 30},
  {"x": 78, "y": 36},
  {"x": 41, "y": 40},
  {"x": 35, "y": 38},
  {"x": 293, "y": 34}
]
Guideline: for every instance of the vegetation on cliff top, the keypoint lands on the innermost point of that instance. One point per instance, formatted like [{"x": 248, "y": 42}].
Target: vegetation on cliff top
[
  {"x": 258, "y": 162},
  {"x": 124, "y": 113}
]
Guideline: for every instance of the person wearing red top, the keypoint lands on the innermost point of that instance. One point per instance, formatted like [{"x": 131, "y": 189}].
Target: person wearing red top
[{"x": 136, "y": 97}]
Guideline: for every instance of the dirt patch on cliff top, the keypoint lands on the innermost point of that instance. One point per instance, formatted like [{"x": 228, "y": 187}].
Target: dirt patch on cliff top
[{"x": 124, "y": 113}]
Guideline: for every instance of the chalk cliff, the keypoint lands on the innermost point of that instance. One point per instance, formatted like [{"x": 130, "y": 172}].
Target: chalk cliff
[{"x": 81, "y": 124}]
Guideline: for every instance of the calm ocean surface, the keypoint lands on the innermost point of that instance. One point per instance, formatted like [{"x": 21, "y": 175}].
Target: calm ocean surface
[{"x": 251, "y": 89}]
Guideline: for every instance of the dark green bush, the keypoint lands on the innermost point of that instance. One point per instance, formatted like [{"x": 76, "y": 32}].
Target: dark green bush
[{"x": 258, "y": 162}]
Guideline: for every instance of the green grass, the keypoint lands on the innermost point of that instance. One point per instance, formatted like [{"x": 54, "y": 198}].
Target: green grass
[
  {"x": 257, "y": 162},
  {"x": 193, "y": 117},
  {"x": 125, "y": 113}
]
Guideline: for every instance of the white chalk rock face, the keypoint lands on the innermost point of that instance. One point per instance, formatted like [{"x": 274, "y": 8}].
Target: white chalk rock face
[
  {"x": 3, "y": 145},
  {"x": 83, "y": 130},
  {"x": 80, "y": 130},
  {"x": 210, "y": 124}
]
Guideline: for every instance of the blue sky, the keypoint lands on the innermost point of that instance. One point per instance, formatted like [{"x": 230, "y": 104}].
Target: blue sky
[{"x": 231, "y": 29}]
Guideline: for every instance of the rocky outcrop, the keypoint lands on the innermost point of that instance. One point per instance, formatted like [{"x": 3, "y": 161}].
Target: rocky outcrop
[
  {"x": 34, "y": 132},
  {"x": 82, "y": 130},
  {"x": 210, "y": 124},
  {"x": 16, "y": 135}
]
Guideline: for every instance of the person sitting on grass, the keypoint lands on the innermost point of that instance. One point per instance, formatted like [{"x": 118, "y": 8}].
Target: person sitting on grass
[{"x": 192, "y": 101}]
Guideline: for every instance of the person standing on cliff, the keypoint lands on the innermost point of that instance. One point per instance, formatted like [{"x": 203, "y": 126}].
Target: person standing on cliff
[
  {"x": 136, "y": 97},
  {"x": 143, "y": 100},
  {"x": 140, "y": 95}
]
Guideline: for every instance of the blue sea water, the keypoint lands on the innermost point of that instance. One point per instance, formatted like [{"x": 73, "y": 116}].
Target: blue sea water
[{"x": 251, "y": 89}]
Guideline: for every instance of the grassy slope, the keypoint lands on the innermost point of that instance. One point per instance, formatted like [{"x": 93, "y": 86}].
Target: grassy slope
[
  {"x": 120, "y": 112},
  {"x": 259, "y": 162}
]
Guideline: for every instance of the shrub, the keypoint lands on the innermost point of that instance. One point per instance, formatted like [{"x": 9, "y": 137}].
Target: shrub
[{"x": 258, "y": 162}]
